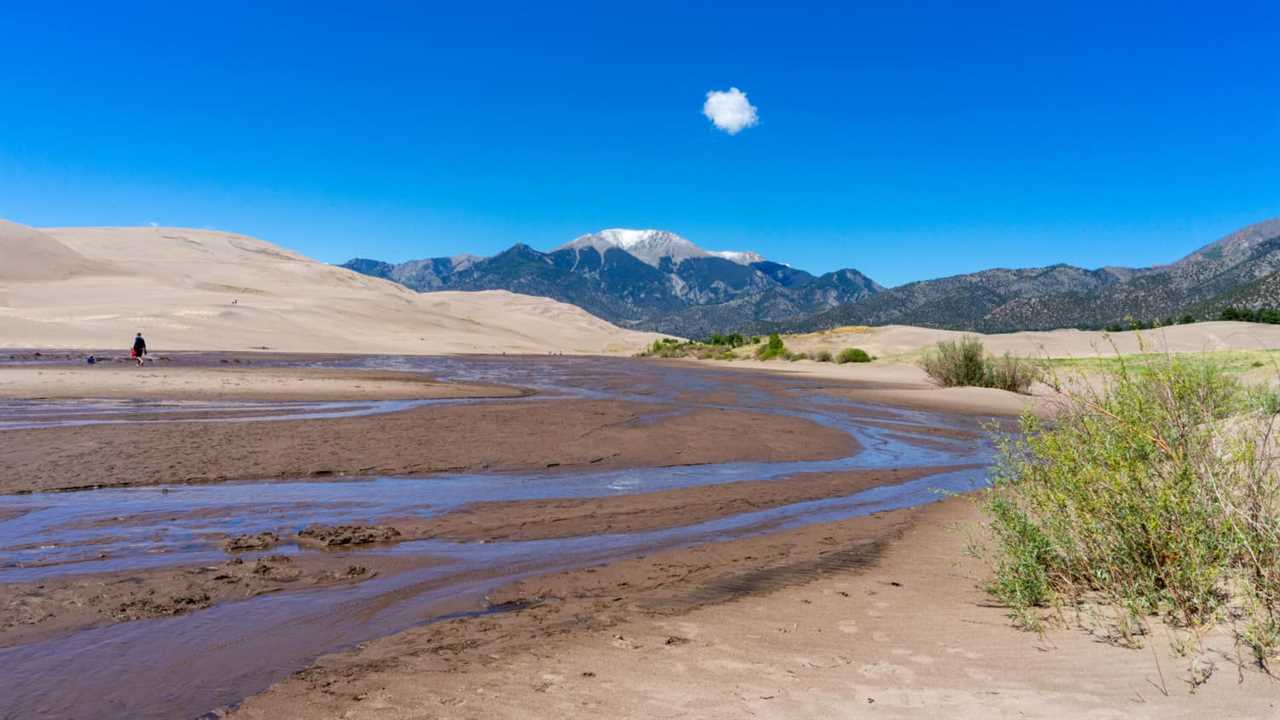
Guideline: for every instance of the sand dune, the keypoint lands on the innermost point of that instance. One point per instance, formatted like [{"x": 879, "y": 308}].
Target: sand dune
[
  {"x": 207, "y": 290},
  {"x": 896, "y": 340},
  {"x": 28, "y": 255}
]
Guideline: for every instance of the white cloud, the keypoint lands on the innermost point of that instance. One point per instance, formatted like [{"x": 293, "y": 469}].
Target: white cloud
[{"x": 729, "y": 110}]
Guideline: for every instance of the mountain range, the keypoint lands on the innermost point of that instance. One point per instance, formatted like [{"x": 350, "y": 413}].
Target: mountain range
[
  {"x": 642, "y": 279},
  {"x": 656, "y": 280}
]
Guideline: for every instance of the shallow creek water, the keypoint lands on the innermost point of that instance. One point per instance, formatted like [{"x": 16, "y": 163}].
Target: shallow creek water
[{"x": 188, "y": 665}]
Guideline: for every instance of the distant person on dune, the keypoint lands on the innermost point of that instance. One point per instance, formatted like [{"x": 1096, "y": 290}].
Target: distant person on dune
[{"x": 139, "y": 350}]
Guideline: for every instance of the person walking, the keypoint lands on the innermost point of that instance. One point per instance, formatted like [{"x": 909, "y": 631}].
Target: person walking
[{"x": 139, "y": 350}]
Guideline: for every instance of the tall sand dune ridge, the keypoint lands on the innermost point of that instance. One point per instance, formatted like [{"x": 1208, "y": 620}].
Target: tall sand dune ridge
[{"x": 190, "y": 289}]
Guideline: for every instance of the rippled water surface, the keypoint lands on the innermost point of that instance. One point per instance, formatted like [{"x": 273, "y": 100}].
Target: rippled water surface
[{"x": 235, "y": 649}]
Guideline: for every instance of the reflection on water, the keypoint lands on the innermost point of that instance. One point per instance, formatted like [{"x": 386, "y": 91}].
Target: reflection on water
[{"x": 121, "y": 670}]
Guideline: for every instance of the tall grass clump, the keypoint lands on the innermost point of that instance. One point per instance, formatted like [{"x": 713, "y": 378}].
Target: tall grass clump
[
  {"x": 1012, "y": 373},
  {"x": 1152, "y": 497},
  {"x": 964, "y": 362},
  {"x": 772, "y": 349},
  {"x": 664, "y": 347}
]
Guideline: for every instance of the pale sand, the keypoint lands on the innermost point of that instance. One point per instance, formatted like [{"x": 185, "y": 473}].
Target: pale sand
[
  {"x": 912, "y": 636},
  {"x": 204, "y": 290},
  {"x": 895, "y": 377},
  {"x": 902, "y": 340},
  {"x": 906, "y": 385},
  {"x": 160, "y": 381}
]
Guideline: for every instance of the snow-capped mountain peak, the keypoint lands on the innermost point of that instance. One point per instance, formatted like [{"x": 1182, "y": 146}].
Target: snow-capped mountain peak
[
  {"x": 742, "y": 258},
  {"x": 650, "y": 246}
]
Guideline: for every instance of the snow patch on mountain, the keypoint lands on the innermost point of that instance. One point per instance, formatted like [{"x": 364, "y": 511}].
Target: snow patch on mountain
[
  {"x": 742, "y": 258},
  {"x": 650, "y": 246}
]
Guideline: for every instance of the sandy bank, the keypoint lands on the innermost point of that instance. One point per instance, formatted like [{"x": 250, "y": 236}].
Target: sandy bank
[
  {"x": 492, "y": 436},
  {"x": 31, "y": 611},
  {"x": 162, "y": 381},
  {"x": 874, "y": 616},
  {"x": 569, "y": 517},
  {"x": 900, "y": 384}
]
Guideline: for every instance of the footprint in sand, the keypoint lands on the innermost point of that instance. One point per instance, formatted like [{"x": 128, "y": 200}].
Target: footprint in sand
[
  {"x": 880, "y": 637},
  {"x": 848, "y": 627}
]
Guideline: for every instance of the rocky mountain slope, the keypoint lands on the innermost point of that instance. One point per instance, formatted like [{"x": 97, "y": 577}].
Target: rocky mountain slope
[
  {"x": 1237, "y": 270},
  {"x": 655, "y": 280},
  {"x": 645, "y": 279}
]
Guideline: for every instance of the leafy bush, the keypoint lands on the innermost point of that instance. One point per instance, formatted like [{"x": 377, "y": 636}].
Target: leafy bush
[
  {"x": 957, "y": 363},
  {"x": 772, "y": 349},
  {"x": 672, "y": 348},
  {"x": 823, "y": 356},
  {"x": 664, "y": 347},
  {"x": 963, "y": 362},
  {"x": 853, "y": 355},
  {"x": 1153, "y": 497},
  {"x": 734, "y": 340}
]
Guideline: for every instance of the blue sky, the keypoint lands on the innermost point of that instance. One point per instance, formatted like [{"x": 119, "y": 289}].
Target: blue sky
[{"x": 911, "y": 141}]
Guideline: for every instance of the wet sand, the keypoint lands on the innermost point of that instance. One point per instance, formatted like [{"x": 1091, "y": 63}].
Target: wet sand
[
  {"x": 36, "y": 610},
  {"x": 531, "y": 434},
  {"x": 32, "y": 610},
  {"x": 657, "y": 464},
  {"x": 522, "y": 520},
  {"x": 871, "y": 617},
  {"x": 228, "y": 380}
]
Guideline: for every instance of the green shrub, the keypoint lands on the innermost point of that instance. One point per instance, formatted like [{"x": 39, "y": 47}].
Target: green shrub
[
  {"x": 1011, "y": 373},
  {"x": 853, "y": 355},
  {"x": 823, "y": 356},
  {"x": 733, "y": 340},
  {"x": 1270, "y": 316},
  {"x": 672, "y": 348},
  {"x": 957, "y": 363},
  {"x": 772, "y": 349},
  {"x": 1153, "y": 497},
  {"x": 665, "y": 348},
  {"x": 963, "y": 362}
]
